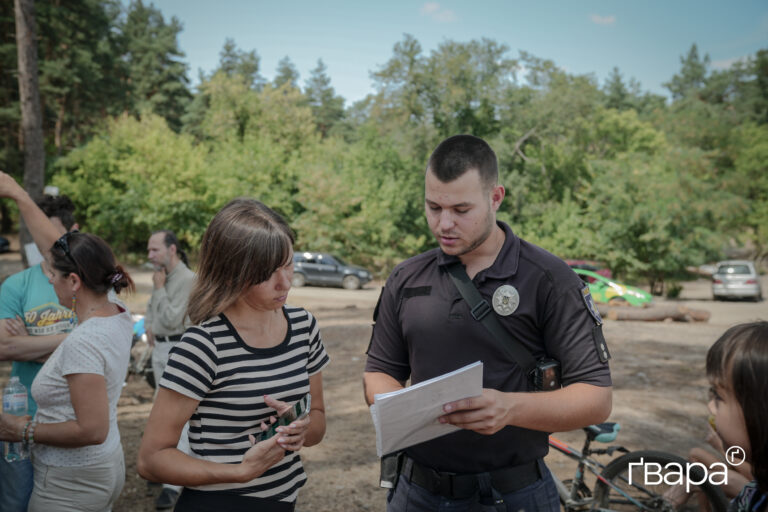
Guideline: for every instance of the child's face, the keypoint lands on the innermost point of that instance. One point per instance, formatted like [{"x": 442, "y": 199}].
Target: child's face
[{"x": 729, "y": 418}]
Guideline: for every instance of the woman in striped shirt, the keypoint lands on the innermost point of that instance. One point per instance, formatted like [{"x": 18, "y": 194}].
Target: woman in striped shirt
[{"x": 246, "y": 361}]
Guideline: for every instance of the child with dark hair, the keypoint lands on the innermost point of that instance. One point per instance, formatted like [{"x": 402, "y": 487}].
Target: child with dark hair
[{"x": 737, "y": 367}]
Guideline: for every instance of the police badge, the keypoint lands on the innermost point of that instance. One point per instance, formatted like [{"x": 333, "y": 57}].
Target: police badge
[
  {"x": 590, "y": 303},
  {"x": 505, "y": 300}
]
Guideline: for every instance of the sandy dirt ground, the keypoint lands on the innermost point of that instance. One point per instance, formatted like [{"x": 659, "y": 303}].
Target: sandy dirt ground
[{"x": 659, "y": 392}]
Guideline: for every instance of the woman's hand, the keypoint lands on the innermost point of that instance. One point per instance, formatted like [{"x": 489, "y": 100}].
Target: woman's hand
[
  {"x": 12, "y": 426},
  {"x": 261, "y": 456},
  {"x": 291, "y": 437}
]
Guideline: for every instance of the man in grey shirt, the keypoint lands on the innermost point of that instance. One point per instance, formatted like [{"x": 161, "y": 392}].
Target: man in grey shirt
[{"x": 166, "y": 319}]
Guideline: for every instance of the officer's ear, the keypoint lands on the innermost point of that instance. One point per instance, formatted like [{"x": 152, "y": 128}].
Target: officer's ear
[{"x": 497, "y": 196}]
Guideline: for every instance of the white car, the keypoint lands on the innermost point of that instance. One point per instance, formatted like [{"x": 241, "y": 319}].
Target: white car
[{"x": 738, "y": 279}]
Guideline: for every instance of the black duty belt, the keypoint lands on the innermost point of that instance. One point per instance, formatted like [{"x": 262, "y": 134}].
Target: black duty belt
[
  {"x": 172, "y": 337},
  {"x": 460, "y": 486}
]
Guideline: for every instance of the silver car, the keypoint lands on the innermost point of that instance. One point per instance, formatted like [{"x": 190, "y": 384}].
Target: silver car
[{"x": 736, "y": 278}]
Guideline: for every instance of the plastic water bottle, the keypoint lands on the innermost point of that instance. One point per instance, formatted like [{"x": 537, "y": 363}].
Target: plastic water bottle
[{"x": 15, "y": 402}]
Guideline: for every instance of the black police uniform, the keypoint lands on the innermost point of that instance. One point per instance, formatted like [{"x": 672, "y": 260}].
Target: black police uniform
[{"x": 424, "y": 329}]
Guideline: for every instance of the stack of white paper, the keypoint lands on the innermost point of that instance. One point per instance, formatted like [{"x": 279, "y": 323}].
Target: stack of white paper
[{"x": 410, "y": 416}]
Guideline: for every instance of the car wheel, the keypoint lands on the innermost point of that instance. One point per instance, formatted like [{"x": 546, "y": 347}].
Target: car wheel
[
  {"x": 350, "y": 282},
  {"x": 617, "y": 301},
  {"x": 298, "y": 280}
]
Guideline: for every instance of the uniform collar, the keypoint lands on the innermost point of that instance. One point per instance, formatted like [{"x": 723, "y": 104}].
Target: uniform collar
[{"x": 506, "y": 262}]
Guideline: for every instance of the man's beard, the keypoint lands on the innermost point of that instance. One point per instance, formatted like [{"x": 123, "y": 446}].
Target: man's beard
[{"x": 477, "y": 242}]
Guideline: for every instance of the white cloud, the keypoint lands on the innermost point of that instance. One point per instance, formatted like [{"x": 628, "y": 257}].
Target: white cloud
[
  {"x": 434, "y": 11},
  {"x": 603, "y": 20},
  {"x": 727, "y": 63}
]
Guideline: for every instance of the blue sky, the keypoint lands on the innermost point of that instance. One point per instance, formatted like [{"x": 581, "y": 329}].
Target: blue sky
[{"x": 644, "y": 38}]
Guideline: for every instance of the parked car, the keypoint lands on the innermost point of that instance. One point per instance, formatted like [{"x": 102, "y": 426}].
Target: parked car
[
  {"x": 5, "y": 245},
  {"x": 608, "y": 291},
  {"x": 322, "y": 269},
  {"x": 736, "y": 278},
  {"x": 592, "y": 266}
]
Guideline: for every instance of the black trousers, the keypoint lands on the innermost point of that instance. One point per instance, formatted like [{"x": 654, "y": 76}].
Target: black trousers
[{"x": 192, "y": 500}]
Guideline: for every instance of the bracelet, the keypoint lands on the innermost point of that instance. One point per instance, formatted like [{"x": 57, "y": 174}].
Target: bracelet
[
  {"x": 31, "y": 434},
  {"x": 24, "y": 439}
]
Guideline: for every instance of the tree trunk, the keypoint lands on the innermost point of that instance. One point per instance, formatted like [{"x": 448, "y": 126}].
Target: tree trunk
[
  {"x": 31, "y": 114},
  {"x": 653, "y": 313}
]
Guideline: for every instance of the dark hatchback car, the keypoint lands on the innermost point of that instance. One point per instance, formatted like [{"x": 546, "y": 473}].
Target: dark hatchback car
[{"x": 322, "y": 269}]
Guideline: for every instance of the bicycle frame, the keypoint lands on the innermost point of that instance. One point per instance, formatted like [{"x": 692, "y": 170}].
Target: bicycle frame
[{"x": 570, "y": 497}]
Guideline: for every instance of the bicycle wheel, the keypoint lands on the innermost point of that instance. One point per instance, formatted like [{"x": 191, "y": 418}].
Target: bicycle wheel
[{"x": 613, "y": 490}]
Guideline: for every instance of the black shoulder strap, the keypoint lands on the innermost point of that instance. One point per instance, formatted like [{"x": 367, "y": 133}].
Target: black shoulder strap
[{"x": 481, "y": 311}]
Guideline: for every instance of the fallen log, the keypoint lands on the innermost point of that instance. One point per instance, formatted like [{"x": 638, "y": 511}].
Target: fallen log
[{"x": 653, "y": 313}]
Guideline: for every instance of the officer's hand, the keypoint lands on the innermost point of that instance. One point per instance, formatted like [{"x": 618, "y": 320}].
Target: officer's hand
[
  {"x": 485, "y": 414},
  {"x": 158, "y": 279},
  {"x": 261, "y": 456}
]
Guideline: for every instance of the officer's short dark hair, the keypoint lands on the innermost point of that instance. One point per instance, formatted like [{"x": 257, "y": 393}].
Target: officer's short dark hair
[
  {"x": 58, "y": 206},
  {"x": 461, "y": 153}
]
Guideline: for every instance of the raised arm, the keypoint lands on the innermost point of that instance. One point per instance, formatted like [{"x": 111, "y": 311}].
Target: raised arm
[{"x": 43, "y": 232}]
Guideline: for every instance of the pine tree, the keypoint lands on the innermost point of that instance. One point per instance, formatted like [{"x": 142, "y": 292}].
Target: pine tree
[
  {"x": 157, "y": 76},
  {"x": 286, "y": 73},
  {"x": 327, "y": 107}
]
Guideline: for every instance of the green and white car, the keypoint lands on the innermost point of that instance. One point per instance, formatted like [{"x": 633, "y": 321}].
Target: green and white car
[{"x": 608, "y": 291}]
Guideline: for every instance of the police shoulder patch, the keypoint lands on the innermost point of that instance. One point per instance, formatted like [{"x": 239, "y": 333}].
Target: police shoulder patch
[{"x": 590, "y": 304}]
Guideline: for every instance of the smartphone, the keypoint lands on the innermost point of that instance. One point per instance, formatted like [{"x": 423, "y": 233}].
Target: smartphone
[{"x": 297, "y": 411}]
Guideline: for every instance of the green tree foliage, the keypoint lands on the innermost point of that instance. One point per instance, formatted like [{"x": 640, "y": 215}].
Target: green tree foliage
[
  {"x": 136, "y": 177},
  {"x": 327, "y": 107},
  {"x": 157, "y": 76},
  {"x": 82, "y": 75},
  {"x": 370, "y": 201},
  {"x": 236, "y": 62},
  {"x": 652, "y": 216},
  {"x": 692, "y": 76},
  {"x": 749, "y": 180},
  {"x": 601, "y": 171},
  {"x": 286, "y": 74}
]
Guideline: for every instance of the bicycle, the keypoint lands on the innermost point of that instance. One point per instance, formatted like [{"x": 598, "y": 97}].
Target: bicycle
[{"x": 614, "y": 488}]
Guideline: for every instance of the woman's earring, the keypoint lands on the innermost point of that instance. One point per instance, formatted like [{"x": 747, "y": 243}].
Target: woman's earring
[{"x": 73, "y": 318}]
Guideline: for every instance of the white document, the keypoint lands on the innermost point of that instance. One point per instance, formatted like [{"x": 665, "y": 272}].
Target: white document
[{"x": 410, "y": 416}]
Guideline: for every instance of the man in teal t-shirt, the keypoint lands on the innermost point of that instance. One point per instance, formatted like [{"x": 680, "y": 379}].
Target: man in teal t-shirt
[
  {"x": 28, "y": 297},
  {"x": 32, "y": 325}
]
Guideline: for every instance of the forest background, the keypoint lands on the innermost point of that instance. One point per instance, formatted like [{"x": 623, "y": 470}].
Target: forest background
[{"x": 647, "y": 184}]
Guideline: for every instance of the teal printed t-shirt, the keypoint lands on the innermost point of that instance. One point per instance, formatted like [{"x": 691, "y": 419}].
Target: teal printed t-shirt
[{"x": 30, "y": 296}]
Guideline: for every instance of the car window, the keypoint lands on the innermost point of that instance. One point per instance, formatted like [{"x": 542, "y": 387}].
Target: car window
[
  {"x": 327, "y": 259},
  {"x": 734, "y": 269}
]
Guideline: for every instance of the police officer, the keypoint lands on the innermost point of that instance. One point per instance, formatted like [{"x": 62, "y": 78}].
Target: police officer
[{"x": 424, "y": 329}]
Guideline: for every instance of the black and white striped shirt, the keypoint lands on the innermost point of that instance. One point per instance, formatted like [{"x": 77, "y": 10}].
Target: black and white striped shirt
[{"x": 213, "y": 364}]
